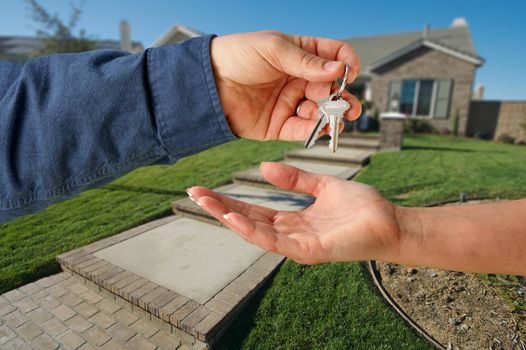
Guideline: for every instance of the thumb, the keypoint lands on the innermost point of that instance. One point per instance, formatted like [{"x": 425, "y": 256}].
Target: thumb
[
  {"x": 291, "y": 178},
  {"x": 302, "y": 64}
]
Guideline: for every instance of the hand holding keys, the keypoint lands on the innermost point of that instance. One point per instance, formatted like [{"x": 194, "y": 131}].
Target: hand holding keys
[{"x": 330, "y": 111}]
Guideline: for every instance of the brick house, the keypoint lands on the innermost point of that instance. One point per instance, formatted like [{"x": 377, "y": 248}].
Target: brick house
[{"x": 427, "y": 74}]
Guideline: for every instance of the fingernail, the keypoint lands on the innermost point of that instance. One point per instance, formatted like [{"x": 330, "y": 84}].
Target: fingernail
[
  {"x": 194, "y": 200},
  {"x": 226, "y": 217},
  {"x": 331, "y": 65}
]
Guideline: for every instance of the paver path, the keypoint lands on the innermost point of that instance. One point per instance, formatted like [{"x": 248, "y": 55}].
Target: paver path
[
  {"x": 59, "y": 312},
  {"x": 149, "y": 287}
]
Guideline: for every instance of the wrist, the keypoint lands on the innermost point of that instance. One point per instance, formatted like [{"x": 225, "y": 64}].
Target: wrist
[
  {"x": 225, "y": 88},
  {"x": 410, "y": 237}
]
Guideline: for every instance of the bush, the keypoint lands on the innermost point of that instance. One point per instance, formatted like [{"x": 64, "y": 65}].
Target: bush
[
  {"x": 444, "y": 131},
  {"x": 418, "y": 126},
  {"x": 506, "y": 138},
  {"x": 374, "y": 123}
]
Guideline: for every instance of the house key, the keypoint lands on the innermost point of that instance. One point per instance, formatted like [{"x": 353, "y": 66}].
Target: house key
[
  {"x": 334, "y": 111},
  {"x": 320, "y": 124},
  {"x": 330, "y": 111}
]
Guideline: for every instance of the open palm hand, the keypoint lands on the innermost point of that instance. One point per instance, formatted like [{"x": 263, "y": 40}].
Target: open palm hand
[{"x": 348, "y": 221}]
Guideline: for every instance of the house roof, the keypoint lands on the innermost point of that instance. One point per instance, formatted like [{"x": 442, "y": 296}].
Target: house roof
[
  {"x": 374, "y": 49},
  {"x": 176, "y": 34},
  {"x": 477, "y": 61},
  {"x": 19, "y": 48}
]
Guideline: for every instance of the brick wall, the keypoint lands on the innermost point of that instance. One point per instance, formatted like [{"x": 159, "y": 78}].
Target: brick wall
[
  {"x": 492, "y": 119},
  {"x": 426, "y": 63},
  {"x": 511, "y": 117},
  {"x": 483, "y": 117}
]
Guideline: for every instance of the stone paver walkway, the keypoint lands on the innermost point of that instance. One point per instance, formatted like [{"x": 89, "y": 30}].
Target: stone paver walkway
[
  {"x": 60, "y": 312},
  {"x": 173, "y": 283}
]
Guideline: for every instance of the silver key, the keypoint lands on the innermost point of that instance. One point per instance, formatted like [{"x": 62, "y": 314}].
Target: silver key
[
  {"x": 330, "y": 111},
  {"x": 320, "y": 124},
  {"x": 334, "y": 111}
]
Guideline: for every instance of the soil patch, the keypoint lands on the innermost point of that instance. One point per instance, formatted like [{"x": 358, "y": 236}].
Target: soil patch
[{"x": 459, "y": 310}]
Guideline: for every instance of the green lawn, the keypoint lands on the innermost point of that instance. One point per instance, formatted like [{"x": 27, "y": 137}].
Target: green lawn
[
  {"x": 330, "y": 306},
  {"x": 432, "y": 168}
]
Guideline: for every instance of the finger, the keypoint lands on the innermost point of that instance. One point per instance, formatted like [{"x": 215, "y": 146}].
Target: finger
[
  {"x": 299, "y": 63},
  {"x": 316, "y": 91},
  {"x": 307, "y": 110},
  {"x": 296, "y": 129},
  {"x": 331, "y": 50},
  {"x": 199, "y": 193},
  {"x": 291, "y": 178},
  {"x": 219, "y": 211},
  {"x": 355, "y": 110},
  {"x": 253, "y": 231}
]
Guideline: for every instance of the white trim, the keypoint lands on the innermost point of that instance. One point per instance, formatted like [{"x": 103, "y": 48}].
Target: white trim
[
  {"x": 415, "y": 98},
  {"x": 432, "y": 45},
  {"x": 172, "y": 31},
  {"x": 368, "y": 93},
  {"x": 457, "y": 54},
  {"x": 433, "y": 98}
]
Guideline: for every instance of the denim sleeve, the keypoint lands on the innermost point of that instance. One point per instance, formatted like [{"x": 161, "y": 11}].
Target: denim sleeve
[{"x": 76, "y": 121}]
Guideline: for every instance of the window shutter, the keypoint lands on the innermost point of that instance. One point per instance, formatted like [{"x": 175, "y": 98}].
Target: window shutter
[
  {"x": 443, "y": 96},
  {"x": 395, "y": 89}
]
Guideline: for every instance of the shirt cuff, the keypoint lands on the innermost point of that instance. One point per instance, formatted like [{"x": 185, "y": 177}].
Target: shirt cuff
[{"x": 185, "y": 101}]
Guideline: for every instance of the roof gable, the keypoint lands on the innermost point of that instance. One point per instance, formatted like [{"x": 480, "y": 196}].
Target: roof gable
[
  {"x": 475, "y": 60},
  {"x": 374, "y": 48},
  {"x": 176, "y": 34}
]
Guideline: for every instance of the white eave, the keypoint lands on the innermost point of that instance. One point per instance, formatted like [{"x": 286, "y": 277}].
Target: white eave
[
  {"x": 175, "y": 30},
  {"x": 477, "y": 61}
]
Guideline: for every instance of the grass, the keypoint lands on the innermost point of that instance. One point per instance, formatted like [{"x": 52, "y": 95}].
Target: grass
[
  {"x": 329, "y": 306},
  {"x": 436, "y": 168},
  {"x": 29, "y": 245}
]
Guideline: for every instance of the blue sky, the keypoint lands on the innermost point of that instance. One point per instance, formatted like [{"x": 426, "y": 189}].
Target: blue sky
[{"x": 498, "y": 27}]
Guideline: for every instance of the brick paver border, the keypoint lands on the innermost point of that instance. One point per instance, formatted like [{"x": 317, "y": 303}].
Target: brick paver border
[{"x": 190, "y": 321}]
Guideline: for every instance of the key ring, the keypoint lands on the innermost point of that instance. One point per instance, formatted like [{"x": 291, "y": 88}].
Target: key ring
[
  {"x": 344, "y": 82},
  {"x": 342, "y": 86}
]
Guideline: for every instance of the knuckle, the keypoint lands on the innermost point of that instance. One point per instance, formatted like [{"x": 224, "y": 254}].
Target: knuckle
[{"x": 309, "y": 59}]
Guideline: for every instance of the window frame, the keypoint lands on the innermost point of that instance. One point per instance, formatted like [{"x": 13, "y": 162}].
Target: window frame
[{"x": 433, "y": 101}]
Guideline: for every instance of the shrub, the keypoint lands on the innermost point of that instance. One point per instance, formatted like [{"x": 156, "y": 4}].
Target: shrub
[
  {"x": 506, "y": 138},
  {"x": 418, "y": 126},
  {"x": 374, "y": 121},
  {"x": 444, "y": 131}
]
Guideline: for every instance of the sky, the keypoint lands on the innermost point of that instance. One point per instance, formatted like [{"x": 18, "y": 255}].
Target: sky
[{"x": 498, "y": 28}]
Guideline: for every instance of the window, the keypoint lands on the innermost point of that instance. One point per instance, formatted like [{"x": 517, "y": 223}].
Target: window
[
  {"x": 420, "y": 98},
  {"x": 407, "y": 96}
]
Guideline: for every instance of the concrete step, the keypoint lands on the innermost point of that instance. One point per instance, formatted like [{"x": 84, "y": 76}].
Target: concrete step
[
  {"x": 253, "y": 176},
  {"x": 360, "y": 135},
  {"x": 267, "y": 197},
  {"x": 321, "y": 153},
  {"x": 184, "y": 276},
  {"x": 352, "y": 142}
]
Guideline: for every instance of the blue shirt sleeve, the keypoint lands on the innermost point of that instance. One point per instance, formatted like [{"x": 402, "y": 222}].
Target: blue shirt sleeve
[{"x": 76, "y": 121}]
